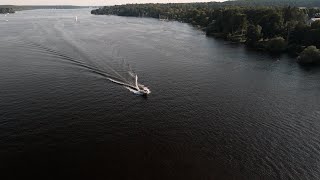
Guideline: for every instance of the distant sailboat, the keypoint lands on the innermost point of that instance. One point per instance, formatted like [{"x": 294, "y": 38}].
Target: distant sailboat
[{"x": 76, "y": 19}]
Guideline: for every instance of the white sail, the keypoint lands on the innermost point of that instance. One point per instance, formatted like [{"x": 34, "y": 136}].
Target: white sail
[{"x": 137, "y": 82}]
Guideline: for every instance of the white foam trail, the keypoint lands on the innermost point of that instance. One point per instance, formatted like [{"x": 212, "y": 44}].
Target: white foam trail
[
  {"x": 133, "y": 90},
  {"x": 122, "y": 83},
  {"x": 132, "y": 74},
  {"x": 137, "y": 86},
  {"x": 107, "y": 63}
]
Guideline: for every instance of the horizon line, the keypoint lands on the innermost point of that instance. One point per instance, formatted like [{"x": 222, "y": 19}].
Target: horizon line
[{"x": 110, "y": 4}]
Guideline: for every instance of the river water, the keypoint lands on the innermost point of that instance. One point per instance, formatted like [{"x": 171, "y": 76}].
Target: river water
[{"x": 216, "y": 111}]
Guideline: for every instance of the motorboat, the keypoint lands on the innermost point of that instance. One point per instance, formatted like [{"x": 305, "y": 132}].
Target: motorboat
[{"x": 141, "y": 89}]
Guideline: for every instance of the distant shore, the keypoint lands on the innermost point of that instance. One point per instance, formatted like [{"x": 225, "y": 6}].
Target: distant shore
[
  {"x": 13, "y": 8},
  {"x": 5, "y": 10},
  {"x": 274, "y": 29}
]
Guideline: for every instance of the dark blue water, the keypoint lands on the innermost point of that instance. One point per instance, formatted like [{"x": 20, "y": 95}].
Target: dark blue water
[{"x": 216, "y": 111}]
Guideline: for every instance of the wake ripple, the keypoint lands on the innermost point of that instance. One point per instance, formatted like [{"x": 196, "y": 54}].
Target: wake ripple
[{"x": 119, "y": 73}]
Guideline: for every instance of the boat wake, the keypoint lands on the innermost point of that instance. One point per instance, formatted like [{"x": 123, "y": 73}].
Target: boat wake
[
  {"x": 116, "y": 71},
  {"x": 61, "y": 40},
  {"x": 138, "y": 89}
]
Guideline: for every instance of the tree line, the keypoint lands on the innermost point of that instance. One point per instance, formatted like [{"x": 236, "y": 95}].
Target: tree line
[
  {"x": 5, "y": 10},
  {"x": 276, "y": 29}
]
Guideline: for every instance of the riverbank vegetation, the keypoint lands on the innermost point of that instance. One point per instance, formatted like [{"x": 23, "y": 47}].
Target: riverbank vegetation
[
  {"x": 276, "y": 29},
  {"x": 311, "y": 55},
  {"x": 5, "y": 10}
]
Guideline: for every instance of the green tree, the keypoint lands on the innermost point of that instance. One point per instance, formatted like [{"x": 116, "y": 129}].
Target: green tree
[
  {"x": 239, "y": 22},
  {"x": 277, "y": 45},
  {"x": 299, "y": 35},
  {"x": 311, "y": 55},
  {"x": 290, "y": 25},
  {"x": 253, "y": 34},
  {"x": 271, "y": 24},
  {"x": 293, "y": 14},
  {"x": 315, "y": 25}
]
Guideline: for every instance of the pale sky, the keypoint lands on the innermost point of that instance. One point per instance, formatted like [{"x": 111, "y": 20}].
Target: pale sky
[{"x": 91, "y": 2}]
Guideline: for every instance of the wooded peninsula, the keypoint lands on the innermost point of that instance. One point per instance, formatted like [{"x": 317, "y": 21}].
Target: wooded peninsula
[
  {"x": 276, "y": 27},
  {"x": 5, "y": 10}
]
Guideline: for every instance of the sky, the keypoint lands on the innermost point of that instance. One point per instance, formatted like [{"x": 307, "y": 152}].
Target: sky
[{"x": 91, "y": 2}]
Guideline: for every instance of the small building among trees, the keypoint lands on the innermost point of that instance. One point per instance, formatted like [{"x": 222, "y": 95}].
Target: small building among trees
[{"x": 316, "y": 18}]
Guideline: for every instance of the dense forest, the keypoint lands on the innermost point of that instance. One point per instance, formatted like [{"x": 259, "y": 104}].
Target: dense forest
[
  {"x": 5, "y": 10},
  {"x": 268, "y": 25},
  {"x": 296, "y": 3}
]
